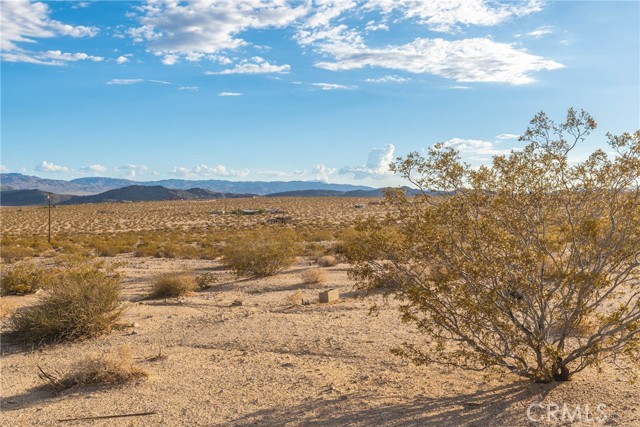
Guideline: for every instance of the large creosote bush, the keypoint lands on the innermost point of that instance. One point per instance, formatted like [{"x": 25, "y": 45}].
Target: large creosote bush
[
  {"x": 82, "y": 302},
  {"x": 531, "y": 264},
  {"x": 260, "y": 253}
]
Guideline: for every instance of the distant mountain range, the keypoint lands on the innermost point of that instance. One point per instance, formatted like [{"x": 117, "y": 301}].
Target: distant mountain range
[
  {"x": 143, "y": 193},
  {"x": 97, "y": 185}
]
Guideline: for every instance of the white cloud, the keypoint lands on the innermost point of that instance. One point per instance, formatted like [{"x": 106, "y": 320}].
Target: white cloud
[
  {"x": 204, "y": 171},
  {"x": 50, "y": 167},
  {"x": 57, "y": 55},
  {"x": 467, "y": 60},
  {"x": 255, "y": 65},
  {"x": 389, "y": 79},
  {"x": 122, "y": 59},
  {"x": 460, "y": 87},
  {"x": 96, "y": 169},
  {"x": 374, "y": 26},
  {"x": 51, "y": 57},
  {"x": 181, "y": 29},
  {"x": 135, "y": 81},
  {"x": 475, "y": 147},
  {"x": 189, "y": 88},
  {"x": 327, "y": 10},
  {"x": 131, "y": 171},
  {"x": 333, "y": 86},
  {"x": 23, "y": 22},
  {"x": 323, "y": 172},
  {"x": 3, "y": 169},
  {"x": 377, "y": 164},
  {"x": 541, "y": 32},
  {"x": 229, "y": 94},
  {"x": 297, "y": 174},
  {"x": 170, "y": 59},
  {"x": 448, "y": 15},
  {"x": 503, "y": 136}
]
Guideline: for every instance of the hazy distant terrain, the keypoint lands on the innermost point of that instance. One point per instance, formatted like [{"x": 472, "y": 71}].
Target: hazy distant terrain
[{"x": 96, "y": 185}]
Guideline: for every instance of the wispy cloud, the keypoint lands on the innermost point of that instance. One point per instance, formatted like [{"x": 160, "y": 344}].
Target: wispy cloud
[
  {"x": 389, "y": 79},
  {"x": 96, "y": 169},
  {"x": 203, "y": 170},
  {"x": 541, "y": 31},
  {"x": 229, "y": 94},
  {"x": 333, "y": 86},
  {"x": 135, "y": 81},
  {"x": 131, "y": 171},
  {"x": 255, "y": 65},
  {"x": 449, "y": 15},
  {"x": 467, "y": 60},
  {"x": 504, "y": 136}
]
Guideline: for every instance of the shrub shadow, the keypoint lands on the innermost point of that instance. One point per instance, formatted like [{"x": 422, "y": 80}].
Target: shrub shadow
[{"x": 499, "y": 406}]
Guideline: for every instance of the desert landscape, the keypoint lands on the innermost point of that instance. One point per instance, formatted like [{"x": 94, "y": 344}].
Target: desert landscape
[
  {"x": 320, "y": 213},
  {"x": 259, "y": 351}
]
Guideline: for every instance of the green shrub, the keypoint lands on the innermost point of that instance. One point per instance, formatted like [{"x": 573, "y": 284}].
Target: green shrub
[
  {"x": 171, "y": 285},
  {"x": 82, "y": 302},
  {"x": 261, "y": 253}
]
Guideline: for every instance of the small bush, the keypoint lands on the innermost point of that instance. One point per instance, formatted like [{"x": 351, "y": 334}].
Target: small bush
[
  {"x": 171, "y": 285},
  {"x": 206, "y": 280},
  {"x": 25, "y": 278},
  {"x": 83, "y": 302},
  {"x": 313, "y": 276},
  {"x": 327, "y": 261},
  {"x": 6, "y": 308},
  {"x": 112, "y": 368},
  {"x": 16, "y": 252},
  {"x": 261, "y": 253}
]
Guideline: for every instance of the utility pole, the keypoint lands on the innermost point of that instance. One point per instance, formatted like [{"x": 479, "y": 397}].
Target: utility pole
[{"x": 49, "y": 200}]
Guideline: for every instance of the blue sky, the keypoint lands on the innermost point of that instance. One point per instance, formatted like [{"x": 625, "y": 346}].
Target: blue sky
[{"x": 327, "y": 90}]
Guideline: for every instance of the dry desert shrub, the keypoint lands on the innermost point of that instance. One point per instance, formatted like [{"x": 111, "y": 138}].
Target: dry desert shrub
[
  {"x": 313, "y": 276},
  {"x": 115, "y": 367},
  {"x": 171, "y": 285},
  {"x": 261, "y": 253},
  {"x": 15, "y": 252},
  {"x": 25, "y": 278},
  {"x": 6, "y": 308},
  {"x": 206, "y": 280},
  {"x": 82, "y": 302},
  {"x": 327, "y": 261}
]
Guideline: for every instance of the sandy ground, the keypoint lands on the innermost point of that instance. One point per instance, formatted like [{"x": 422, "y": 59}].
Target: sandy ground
[{"x": 268, "y": 363}]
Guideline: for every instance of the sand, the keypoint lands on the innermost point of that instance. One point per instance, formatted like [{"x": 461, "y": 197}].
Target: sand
[{"x": 267, "y": 362}]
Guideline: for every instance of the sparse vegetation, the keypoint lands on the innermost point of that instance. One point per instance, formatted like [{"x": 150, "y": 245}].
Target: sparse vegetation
[
  {"x": 531, "y": 264},
  {"x": 25, "y": 278},
  {"x": 206, "y": 280},
  {"x": 313, "y": 276},
  {"x": 115, "y": 367},
  {"x": 171, "y": 285},
  {"x": 6, "y": 308},
  {"x": 327, "y": 261},
  {"x": 83, "y": 302},
  {"x": 261, "y": 253}
]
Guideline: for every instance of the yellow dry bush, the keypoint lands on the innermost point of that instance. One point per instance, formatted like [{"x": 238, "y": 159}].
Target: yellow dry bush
[{"x": 261, "y": 253}]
